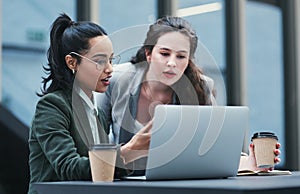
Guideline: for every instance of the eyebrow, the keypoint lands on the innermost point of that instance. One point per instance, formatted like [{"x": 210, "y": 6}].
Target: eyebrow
[
  {"x": 102, "y": 55},
  {"x": 168, "y": 49},
  {"x": 99, "y": 55}
]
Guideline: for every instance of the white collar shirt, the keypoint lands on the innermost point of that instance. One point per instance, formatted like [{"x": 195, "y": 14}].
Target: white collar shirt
[{"x": 90, "y": 107}]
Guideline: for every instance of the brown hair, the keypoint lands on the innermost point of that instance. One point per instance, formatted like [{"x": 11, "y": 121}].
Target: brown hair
[{"x": 190, "y": 88}]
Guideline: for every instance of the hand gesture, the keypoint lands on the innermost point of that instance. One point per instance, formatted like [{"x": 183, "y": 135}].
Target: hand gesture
[{"x": 138, "y": 146}]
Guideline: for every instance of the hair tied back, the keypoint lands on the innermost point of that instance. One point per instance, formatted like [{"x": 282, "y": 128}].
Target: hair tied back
[{"x": 71, "y": 23}]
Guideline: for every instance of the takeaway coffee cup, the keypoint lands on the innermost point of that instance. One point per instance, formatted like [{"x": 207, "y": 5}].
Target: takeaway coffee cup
[
  {"x": 264, "y": 145},
  {"x": 102, "y": 161}
]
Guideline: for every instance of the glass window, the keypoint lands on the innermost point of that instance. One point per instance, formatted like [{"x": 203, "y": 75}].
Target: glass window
[
  {"x": 127, "y": 27},
  {"x": 25, "y": 39},
  {"x": 115, "y": 15},
  {"x": 265, "y": 69}
]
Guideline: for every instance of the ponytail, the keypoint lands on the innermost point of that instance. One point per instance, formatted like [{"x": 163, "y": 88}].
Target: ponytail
[{"x": 66, "y": 36}]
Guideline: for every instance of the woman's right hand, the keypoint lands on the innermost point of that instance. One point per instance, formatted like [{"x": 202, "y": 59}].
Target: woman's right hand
[{"x": 138, "y": 146}]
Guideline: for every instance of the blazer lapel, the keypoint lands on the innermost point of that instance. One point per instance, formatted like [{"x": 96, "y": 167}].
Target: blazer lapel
[
  {"x": 81, "y": 120},
  {"x": 128, "y": 128},
  {"x": 102, "y": 133}
]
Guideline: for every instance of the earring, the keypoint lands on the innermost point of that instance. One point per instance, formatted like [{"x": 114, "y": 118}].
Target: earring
[{"x": 73, "y": 71}]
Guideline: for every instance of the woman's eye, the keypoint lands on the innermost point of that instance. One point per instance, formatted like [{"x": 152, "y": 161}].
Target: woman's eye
[
  {"x": 101, "y": 62},
  {"x": 165, "y": 54},
  {"x": 181, "y": 57}
]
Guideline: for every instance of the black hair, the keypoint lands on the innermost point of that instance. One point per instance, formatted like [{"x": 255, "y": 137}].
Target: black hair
[{"x": 66, "y": 36}]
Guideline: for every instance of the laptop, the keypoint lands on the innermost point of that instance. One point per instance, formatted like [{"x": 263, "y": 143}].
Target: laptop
[{"x": 195, "y": 142}]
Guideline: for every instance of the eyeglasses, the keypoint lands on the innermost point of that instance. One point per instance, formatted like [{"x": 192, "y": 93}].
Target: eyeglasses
[{"x": 101, "y": 60}]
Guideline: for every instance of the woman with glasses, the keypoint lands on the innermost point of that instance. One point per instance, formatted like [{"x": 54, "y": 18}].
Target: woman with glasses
[
  {"x": 67, "y": 120},
  {"x": 163, "y": 71}
]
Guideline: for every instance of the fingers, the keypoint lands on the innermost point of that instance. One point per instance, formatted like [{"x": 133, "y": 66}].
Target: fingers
[
  {"x": 143, "y": 137},
  {"x": 251, "y": 149},
  {"x": 148, "y": 126},
  {"x": 277, "y": 152},
  {"x": 251, "y": 145},
  {"x": 277, "y": 160}
]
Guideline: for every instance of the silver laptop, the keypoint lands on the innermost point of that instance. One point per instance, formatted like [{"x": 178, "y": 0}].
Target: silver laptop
[{"x": 195, "y": 142}]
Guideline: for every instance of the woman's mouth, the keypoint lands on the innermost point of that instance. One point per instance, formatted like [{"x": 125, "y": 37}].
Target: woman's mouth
[
  {"x": 106, "y": 81},
  {"x": 169, "y": 74}
]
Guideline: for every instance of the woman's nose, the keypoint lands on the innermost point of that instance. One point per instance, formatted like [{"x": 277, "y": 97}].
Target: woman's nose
[
  {"x": 171, "y": 62},
  {"x": 109, "y": 68}
]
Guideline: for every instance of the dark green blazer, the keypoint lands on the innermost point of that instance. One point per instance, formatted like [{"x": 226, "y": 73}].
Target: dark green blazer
[{"x": 59, "y": 139}]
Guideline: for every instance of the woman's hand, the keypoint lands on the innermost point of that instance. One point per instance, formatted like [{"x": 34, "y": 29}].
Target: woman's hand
[
  {"x": 138, "y": 146},
  {"x": 249, "y": 162}
]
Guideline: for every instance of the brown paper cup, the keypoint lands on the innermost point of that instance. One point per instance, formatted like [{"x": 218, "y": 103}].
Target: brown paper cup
[
  {"x": 102, "y": 161},
  {"x": 264, "y": 146}
]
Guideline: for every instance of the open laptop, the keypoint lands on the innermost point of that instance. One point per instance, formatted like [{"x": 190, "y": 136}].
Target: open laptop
[{"x": 195, "y": 142}]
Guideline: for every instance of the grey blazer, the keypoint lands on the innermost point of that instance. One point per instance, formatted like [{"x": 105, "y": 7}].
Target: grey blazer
[{"x": 120, "y": 101}]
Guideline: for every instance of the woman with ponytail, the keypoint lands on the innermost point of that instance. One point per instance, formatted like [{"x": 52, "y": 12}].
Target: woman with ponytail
[{"x": 67, "y": 120}]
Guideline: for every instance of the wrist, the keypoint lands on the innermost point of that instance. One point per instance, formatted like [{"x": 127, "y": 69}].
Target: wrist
[{"x": 123, "y": 153}]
